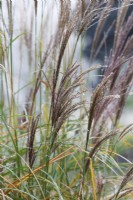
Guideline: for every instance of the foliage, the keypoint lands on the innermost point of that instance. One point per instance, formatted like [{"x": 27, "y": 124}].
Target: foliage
[{"x": 61, "y": 143}]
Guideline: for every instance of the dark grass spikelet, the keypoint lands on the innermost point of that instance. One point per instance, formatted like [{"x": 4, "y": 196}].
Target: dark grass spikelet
[
  {"x": 125, "y": 192},
  {"x": 120, "y": 53},
  {"x": 80, "y": 19},
  {"x": 64, "y": 17},
  {"x": 125, "y": 86},
  {"x": 31, "y": 138},
  {"x": 128, "y": 177},
  {"x": 97, "y": 97},
  {"x": 126, "y": 131},
  {"x": 122, "y": 193},
  {"x": 39, "y": 79},
  {"x": 122, "y": 11},
  {"x": 102, "y": 19},
  {"x": 66, "y": 98}
]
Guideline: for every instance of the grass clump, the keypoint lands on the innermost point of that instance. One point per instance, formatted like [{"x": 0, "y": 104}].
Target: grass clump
[{"x": 57, "y": 138}]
